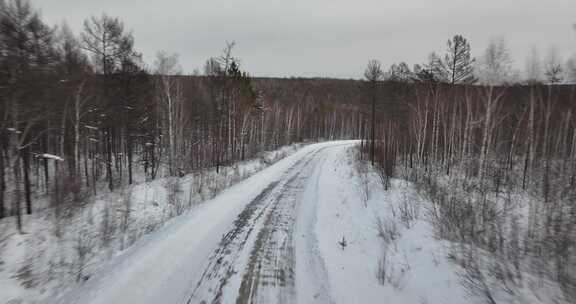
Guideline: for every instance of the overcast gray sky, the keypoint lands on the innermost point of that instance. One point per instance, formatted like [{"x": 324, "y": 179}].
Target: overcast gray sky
[{"x": 332, "y": 38}]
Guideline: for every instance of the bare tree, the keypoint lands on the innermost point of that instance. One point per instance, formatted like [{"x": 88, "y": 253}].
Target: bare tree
[
  {"x": 533, "y": 67},
  {"x": 553, "y": 69},
  {"x": 373, "y": 75},
  {"x": 400, "y": 72},
  {"x": 169, "y": 95},
  {"x": 458, "y": 62},
  {"x": 104, "y": 38},
  {"x": 26, "y": 57},
  {"x": 74, "y": 66},
  {"x": 495, "y": 65}
]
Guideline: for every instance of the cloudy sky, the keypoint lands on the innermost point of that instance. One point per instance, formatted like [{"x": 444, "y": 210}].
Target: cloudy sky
[{"x": 332, "y": 38}]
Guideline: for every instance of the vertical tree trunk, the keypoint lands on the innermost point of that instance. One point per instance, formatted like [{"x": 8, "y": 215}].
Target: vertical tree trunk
[
  {"x": 485, "y": 135},
  {"x": 86, "y": 153},
  {"x": 77, "y": 131},
  {"x": 108, "y": 144},
  {"x": 2, "y": 181},
  {"x": 16, "y": 170},
  {"x": 26, "y": 168},
  {"x": 373, "y": 126},
  {"x": 129, "y": 152},
  {"x": 171, "y": 147},
  {"x": 46, "y": 165}
]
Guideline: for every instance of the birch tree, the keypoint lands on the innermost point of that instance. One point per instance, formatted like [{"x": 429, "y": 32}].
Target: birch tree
[{"x": 170, "y": 99}]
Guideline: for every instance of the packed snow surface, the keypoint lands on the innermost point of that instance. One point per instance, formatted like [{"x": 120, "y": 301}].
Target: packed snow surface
[{"x": 300, "y": 231}]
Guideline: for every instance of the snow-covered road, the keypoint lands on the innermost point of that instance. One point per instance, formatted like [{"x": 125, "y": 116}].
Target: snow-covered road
[
  {"x": 255, "y": 260},
  {"x": 239, "y": 247},
  {"x": 275, "y": 238}
]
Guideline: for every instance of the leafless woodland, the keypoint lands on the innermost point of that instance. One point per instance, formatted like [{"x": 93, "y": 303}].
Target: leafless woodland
[{"x": 82, "y": 114}]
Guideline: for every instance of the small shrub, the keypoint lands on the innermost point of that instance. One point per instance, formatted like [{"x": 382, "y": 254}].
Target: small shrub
[
  {"x": 83, "y": 247},
  {"x": 408, "y": 210},
  {"x": 381, "y": 272},
  {"x": 387, "y": 230}
]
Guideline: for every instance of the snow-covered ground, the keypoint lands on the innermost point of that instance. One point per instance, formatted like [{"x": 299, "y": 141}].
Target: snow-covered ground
[
  {"x": 315, "y": 227},
  {"x": 303, "y": 230},
  {"x": 411, "y": 262},
  {"x": 169, "y": 265},
  {"x": 61, "y": 247}
]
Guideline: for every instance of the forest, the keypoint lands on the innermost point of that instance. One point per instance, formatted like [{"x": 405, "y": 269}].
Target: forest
[
  {"x": 80, "y": 112},
  {"x": 82, "y": 115}
]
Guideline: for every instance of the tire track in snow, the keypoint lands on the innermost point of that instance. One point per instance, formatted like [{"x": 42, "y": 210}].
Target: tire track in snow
[
  {"x": 262, "y": 211},
  {"x": 269, "y": 276},
  {"x": 314, "y": 286},
  {"x": 221, "y": 265}
]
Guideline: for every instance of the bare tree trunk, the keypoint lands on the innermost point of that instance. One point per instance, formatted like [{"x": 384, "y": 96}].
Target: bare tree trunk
[
  {"x": 17, "y": 209},
  {"x": 373, "y": 126},
  {"x": 129, "y": 152},
  {"x": 108, "y": 148},
  {"x": 77, "y": 105},
  {"x": 2, "y": 181},
  {"x": 171, "y": 146},
  {"x": 485, "y": 134},
  {"x": 26, "y": 168}
]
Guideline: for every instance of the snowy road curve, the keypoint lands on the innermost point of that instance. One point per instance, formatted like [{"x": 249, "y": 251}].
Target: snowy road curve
[{"x": 254, "y": 243}]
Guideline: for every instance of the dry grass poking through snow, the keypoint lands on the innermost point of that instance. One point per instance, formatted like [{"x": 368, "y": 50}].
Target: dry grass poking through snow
[{"x": 504, "y": 262}]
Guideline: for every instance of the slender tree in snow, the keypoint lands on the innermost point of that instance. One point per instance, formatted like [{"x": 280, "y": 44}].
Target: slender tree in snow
[
  {"x": 169, "y": 95},
  {"x": 373, "y": 75},
  {"x": 458, "y": 64},
  {"x": 495, "y": 65}
]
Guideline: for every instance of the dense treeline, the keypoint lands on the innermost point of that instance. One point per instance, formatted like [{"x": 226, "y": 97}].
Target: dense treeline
[
  {"x": 493, "y": 152},
  {"x": 81, "y": 113},
  {"x": 499, "y": 165}
]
